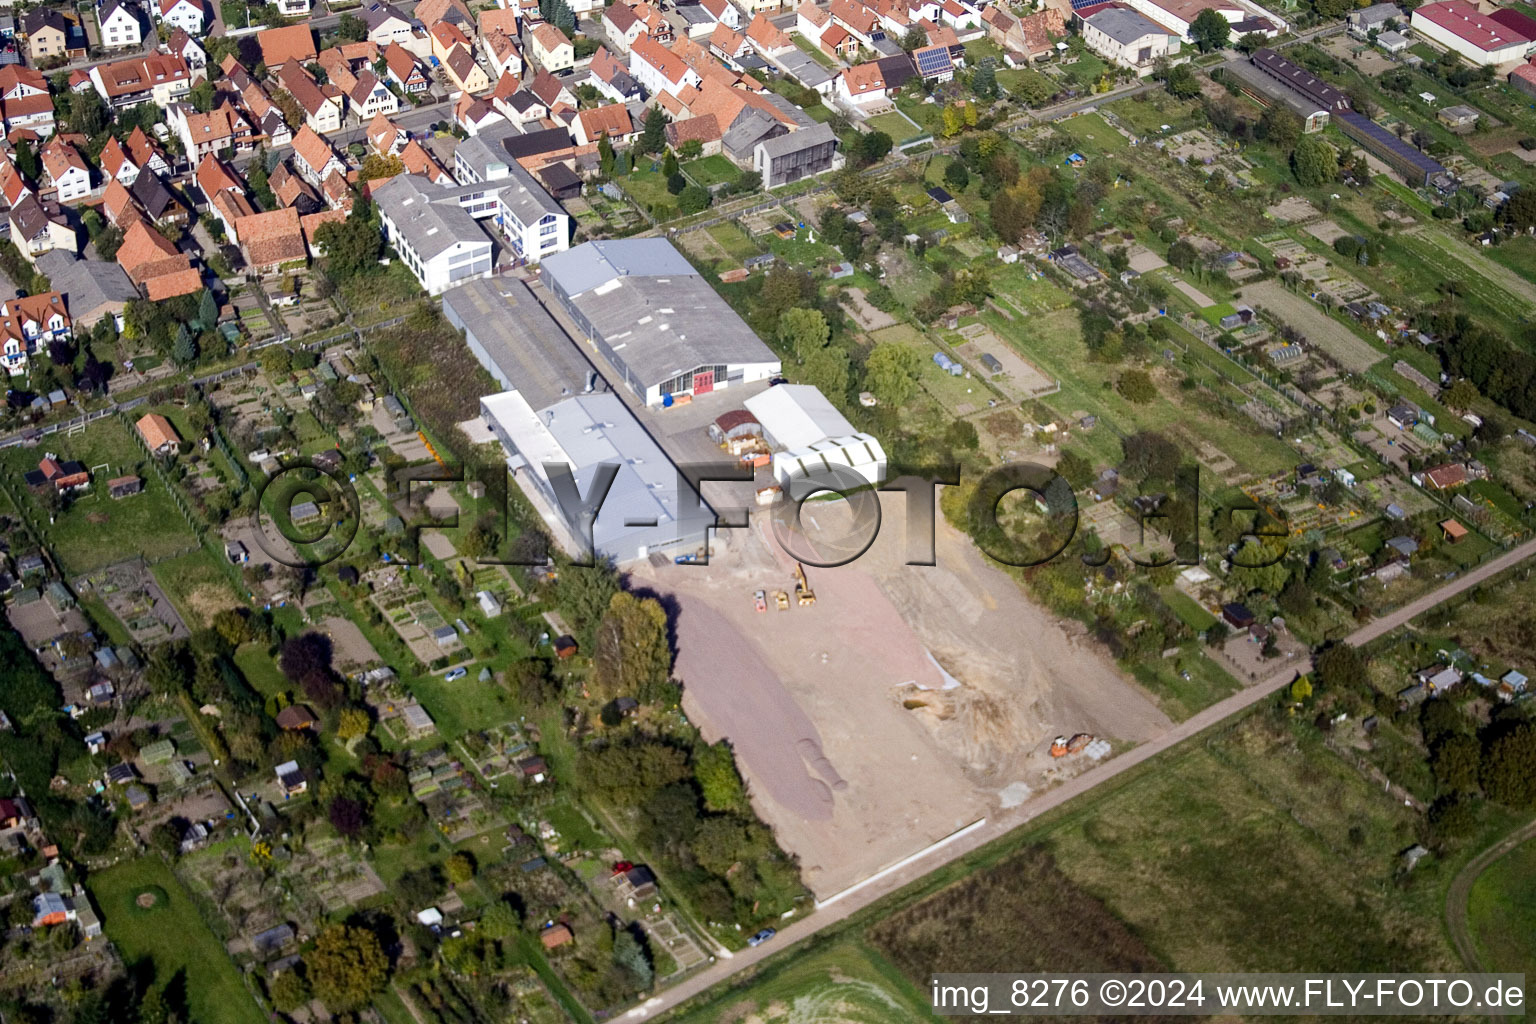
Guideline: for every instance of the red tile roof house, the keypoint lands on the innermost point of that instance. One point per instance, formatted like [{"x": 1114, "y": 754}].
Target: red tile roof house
[{"x": 272, "y": 241}]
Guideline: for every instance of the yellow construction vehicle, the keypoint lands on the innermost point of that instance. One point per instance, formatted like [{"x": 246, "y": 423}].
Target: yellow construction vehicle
[
  {"x": 781, "y": 599},
  {"x": 803, "y": 592}
]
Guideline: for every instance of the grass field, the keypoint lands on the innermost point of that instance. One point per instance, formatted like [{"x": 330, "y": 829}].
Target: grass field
[
  {"x": 1187, "y": 609},
  {"x": 198, "y": 586},
  {"x": 1501, "y": 914},
  {"x": 174, "y": 937},
  {"x": 711, "y": 170},
  {"x": 846, "y": 983},
  {"x": 894, "y": 124},
  {"x": 95, "y": 530}
]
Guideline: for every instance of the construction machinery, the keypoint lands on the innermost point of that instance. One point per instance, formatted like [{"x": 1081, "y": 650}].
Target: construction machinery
[
  {"x": 781, "y": 599},
  {"x": 1061, "y": 746},
  {"x": 804, "y": 595}
]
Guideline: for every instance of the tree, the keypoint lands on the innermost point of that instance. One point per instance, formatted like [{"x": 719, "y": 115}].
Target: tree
[
  {"x": 1250, "y": 41},
  {"x": 108, "y": 242},
  {"x": 460, "y": 869},
  {"x": 352, "y": 246},
  {"x": 669, "y": 163},
  {"x": 1280, "y": 127},
  {"x": 956, "y": 176},
  {"x": 870, "y": 148},
  {"x": 346, "y": 967},
  {"x": 803, "y": 332},
  {"x": 693, "y": 199},
  {"x": 1210, "y": 31},
  {"x": 1509, "y": 767},
  {"x": 1314, "y": 162},
  {"x": 208, "y": 310},
  {"x": 352, "y": 724},
  {"x": 914, "y": 39},
  {"x": 25, "y": 158},
  {"x": 691, "y": 149},
  {"x": 1149, "y": 455},
  {"x": 288, "y": 991},
  {"x": 605, "y": 155},
  {"x": 653, "y": 138},
  {"x": 347, "y": 816},
  {"x": 202, "y": 96},
  {"x": 1182, "y": 254},
  {"x": 184, "y": 351},
  {"x": 632, "y": 657},
  {"x": 714, "y": 769},
  {"x": 1460, "y": 395},
  {"x": 629, "y": 954},
  {"x": 891, "y": 372},
  {"x": 1340, "y": 667},
  {"x": 1136, "y": 387},
  {"x": 1518, "y": 212},
  {"x": 352, "y": 29},
  {"x": 829, "y": 370},
  {"x": 1181, "y": 82},
  {"x": 984, "y": 81},
  {"x": 1456, "y": 762},
  {"x": 1301, "y": 689},
  {"x": 377, "y": 166}
]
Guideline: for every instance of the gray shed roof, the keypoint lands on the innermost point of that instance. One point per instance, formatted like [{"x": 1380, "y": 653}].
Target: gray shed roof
[
  {"x": 87, "y": 285},
  {"x": 527, "y": 350},
  {"x": 642, "y": 295}
]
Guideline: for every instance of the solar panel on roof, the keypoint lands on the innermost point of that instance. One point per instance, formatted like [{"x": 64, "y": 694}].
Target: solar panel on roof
[
  {"x": 933, "y": 61},
  {"x": 1078, "y": 5}
]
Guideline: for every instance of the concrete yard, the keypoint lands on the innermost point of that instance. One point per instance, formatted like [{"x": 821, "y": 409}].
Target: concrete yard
[{"x": 858, "y": 747}]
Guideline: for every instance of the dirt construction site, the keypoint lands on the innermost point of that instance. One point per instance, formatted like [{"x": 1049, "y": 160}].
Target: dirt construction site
[{"x": 904, "y": 704}]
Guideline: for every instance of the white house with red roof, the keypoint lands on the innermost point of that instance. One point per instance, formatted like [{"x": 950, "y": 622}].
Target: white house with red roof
[
  {"x": 186, "y": 15},
  {"x": 658, "y": 69},
  {"x": 1503, "y": 37}
]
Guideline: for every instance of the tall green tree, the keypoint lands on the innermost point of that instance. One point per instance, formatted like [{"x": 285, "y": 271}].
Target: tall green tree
[
  {"x": 632, "y": 657},
  {"x": 803, "y": 332},
  {"x": 346, "y": 967},
  {"x": 653, "y": 138},
  {"x": 1210, "y": 31},
  {"x": 1314, "y": 162},
  {"x": 891, "y": 372}
]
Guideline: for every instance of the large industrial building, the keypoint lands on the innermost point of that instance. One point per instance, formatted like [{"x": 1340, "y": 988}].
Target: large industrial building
[
  {"x": 812, "y": 436},
  {"x": 1502, "y": 37},
  {"x": 518, "y": 343},
  {"x": 645, "y": 511},
  {"x": 557, "y": 409},
  {"x": 662, "y": 327}
]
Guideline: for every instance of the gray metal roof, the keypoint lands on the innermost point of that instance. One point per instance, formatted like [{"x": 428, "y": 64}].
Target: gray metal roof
[
  {"x": 594, "y": 263},
  {"x": 744, "y": 133},
  {"x": 526, "y": 350},
  {"x": 1124, "y": 26},
  {"x": 642, "y": 297},
  {"x": 429, "y": 217}
]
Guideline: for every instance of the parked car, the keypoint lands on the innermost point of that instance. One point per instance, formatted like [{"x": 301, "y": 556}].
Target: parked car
[
  {"x": 455, "y": 674},
  {"x": 761, "y": 937}
]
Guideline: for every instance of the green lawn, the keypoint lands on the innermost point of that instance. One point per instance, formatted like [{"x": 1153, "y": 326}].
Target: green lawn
[
  {"x": 813, "y": 51},
  {"x": 198, "y": 586},
  {"x": 649, "y": 190},
  {"x": 173, "y": 936},
  {"x": 711, "y": 170},
  {"x": 1187, "y": 609},
  {"x": 896, "y": 125},
  {"x": 96, "y": 530},
  {"x": 1501, "y": 914}
]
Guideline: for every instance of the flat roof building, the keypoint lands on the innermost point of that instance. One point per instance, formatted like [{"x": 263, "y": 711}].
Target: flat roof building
[
  {"x": 665, "y": 331},
  {"x": 518, "y": 342},
  {"x": 645, "y": 511}
]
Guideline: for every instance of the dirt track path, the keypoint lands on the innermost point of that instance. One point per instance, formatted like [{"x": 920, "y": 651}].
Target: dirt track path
[
  {"x": 1458, "y": 898},
  {"x": 994, "y": 828}
]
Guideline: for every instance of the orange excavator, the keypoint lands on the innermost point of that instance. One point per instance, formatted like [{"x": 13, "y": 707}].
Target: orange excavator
[{"x": 1061, "y": 746}]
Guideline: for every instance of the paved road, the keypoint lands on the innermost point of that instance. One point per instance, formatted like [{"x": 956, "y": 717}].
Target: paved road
[{"x": 1001, "y": 825}]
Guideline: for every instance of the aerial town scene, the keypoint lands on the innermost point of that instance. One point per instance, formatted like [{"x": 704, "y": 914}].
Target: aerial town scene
[{"x": 733, "y": 511}]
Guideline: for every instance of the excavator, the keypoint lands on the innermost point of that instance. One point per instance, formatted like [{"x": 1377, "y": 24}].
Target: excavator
[{"x": 803, "y": 592}]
